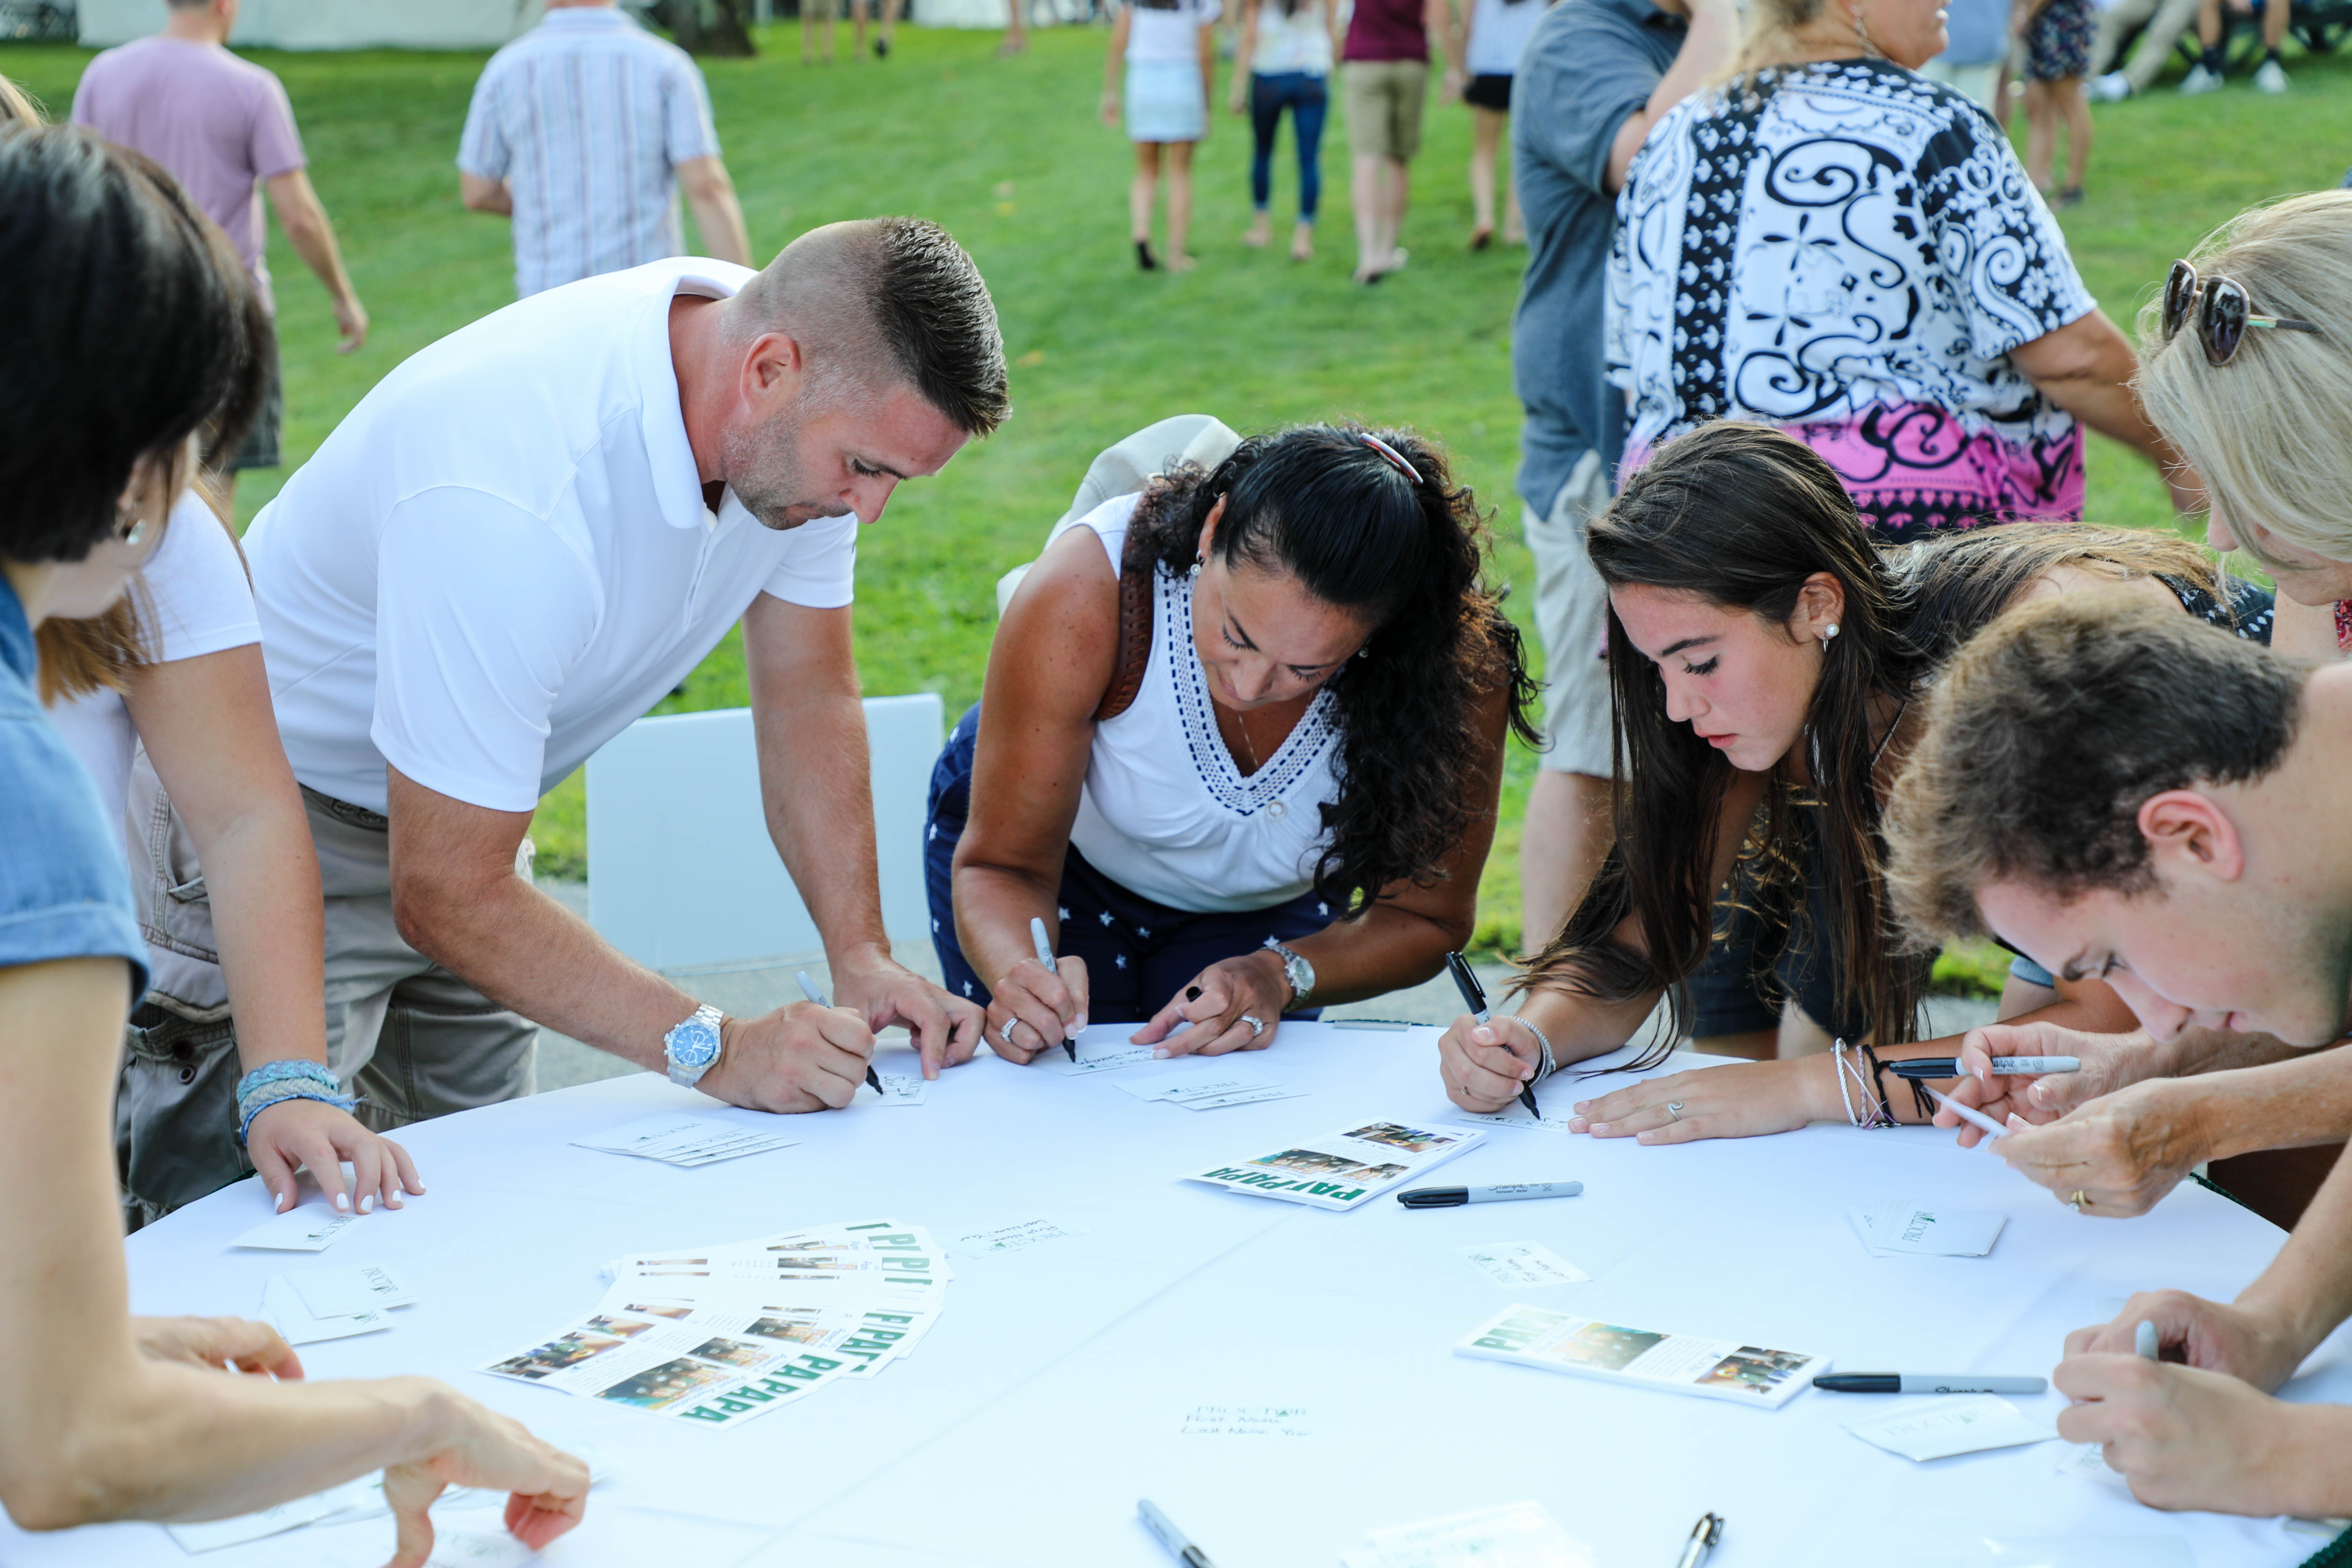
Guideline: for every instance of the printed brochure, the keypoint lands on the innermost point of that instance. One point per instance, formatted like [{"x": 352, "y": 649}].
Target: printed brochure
[
  {"x": 1644, "y": 1358},
  {"x": 718, "y": 1335},
  {"x": 1342, "y": 1170}
]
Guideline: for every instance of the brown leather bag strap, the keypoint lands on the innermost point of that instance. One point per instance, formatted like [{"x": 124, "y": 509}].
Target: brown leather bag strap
[{"x": 1135, "y": 585}]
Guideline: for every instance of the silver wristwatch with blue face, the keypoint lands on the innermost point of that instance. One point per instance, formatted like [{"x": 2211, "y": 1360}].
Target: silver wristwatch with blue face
[
  {"x": 693, "y": 1046},
  {"x": 1296, "y": 970}
]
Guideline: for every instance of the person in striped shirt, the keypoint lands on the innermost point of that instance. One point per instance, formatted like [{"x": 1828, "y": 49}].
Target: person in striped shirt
[{"x": 583, "y": 130}]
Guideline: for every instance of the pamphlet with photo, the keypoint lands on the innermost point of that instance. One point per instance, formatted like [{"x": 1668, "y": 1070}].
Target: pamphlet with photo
[
  {"x": 1644, "y": 1358},
  {"x": 1342, "y": 1170}
]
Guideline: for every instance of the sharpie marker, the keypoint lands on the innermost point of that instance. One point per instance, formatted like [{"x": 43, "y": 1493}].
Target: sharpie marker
[
  {"x": 1175, "y": 1540},
  {"x": 2020, "y": 1066},
  {"x": 1045, "y": 957},
  {"x": 809, "y": 990},
  {"x": 1922, "y": 1383},
  {"x": 1473, "y": 997},
  {"x": 1455, "y": 1197}
]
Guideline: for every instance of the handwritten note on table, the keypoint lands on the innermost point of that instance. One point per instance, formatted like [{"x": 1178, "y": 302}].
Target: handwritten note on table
[{"x": 1245, "y": 1421}]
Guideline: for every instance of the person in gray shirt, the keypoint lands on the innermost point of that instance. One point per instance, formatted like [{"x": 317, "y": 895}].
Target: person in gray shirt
[{"x": 1597, "y": 74}]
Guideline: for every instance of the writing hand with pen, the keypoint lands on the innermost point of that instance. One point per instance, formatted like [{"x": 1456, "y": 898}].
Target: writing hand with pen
[{"x": 1038, "y": 1004}]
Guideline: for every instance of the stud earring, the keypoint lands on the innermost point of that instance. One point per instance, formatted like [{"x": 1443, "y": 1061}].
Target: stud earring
[
  {"x": 129, "y": 527},
  {"x": 1195, "y": 572},
  {"x": 1828, "y": 632}
]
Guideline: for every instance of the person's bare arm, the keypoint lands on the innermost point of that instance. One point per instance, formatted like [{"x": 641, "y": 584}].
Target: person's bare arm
[
  {"x": 96, "y": 1427},
  {"x": 1054, "y": 657},
  {"x": 2086, "y": 367},
  {"x": 209, "y": 729},
  {"x": 457, "y": 899},
  {"x": 1400, "y": 941},
  {"x": 483, "y": 194},
  {"x": 1112, "y": 61},
  {"x": 711, "y": 194},
  {"x": 313, "y": 239},
  {"x": 815, "y": 780},
  {"x": 1714, "y": 34}
]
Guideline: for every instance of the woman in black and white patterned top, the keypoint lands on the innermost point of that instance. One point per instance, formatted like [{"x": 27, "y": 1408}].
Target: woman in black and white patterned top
[{"x": 1832, "y": 245}]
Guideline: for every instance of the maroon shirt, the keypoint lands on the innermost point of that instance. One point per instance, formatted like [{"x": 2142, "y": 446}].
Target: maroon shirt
[{"x": 1387, "y": 30}]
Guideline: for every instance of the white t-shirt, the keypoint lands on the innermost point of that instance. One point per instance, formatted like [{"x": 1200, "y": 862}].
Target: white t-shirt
[
  {"x": 197, "y": 602},
  {"x": 501, "y": 558},
  {"x": 1498, "y": 35},
  {"x": 1300, "y": 42},
  {"x": 1169, "y": 33}
]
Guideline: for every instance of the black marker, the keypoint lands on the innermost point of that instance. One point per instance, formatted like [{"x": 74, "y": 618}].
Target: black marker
[
  {"x": 1045, "y": 956},
  {"x": 1455, "y": 1197},
  {"x": 1473, "y": 996},
  {"x": 1918, "y": 1382}
]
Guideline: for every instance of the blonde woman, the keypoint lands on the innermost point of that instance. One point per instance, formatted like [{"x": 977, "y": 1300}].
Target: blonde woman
[{"x": 2248, "y": 373}]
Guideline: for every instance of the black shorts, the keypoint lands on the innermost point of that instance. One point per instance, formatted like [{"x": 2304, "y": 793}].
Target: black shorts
[
  {"x": 260, "y": 449},
  {"x": 1488, "y": 92}
]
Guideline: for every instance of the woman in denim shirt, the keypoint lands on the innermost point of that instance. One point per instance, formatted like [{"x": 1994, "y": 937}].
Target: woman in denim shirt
[{"x": 129, "y": 325}]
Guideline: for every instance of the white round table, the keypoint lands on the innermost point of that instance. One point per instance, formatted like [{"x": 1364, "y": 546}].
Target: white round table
[{"x": 1049, "y": 1398}]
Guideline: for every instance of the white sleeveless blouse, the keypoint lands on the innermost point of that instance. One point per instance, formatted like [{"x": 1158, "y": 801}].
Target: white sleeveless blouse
[{"x": 1164, "y": 810}]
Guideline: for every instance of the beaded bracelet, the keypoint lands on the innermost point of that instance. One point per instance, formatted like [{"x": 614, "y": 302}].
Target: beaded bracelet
[
  {"x": 1548, "y": 1066},
  {"x": 266, "y": 1085}
]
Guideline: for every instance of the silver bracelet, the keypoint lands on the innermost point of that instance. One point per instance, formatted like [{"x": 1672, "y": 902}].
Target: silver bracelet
[{"x": 1548, "y": 1066}]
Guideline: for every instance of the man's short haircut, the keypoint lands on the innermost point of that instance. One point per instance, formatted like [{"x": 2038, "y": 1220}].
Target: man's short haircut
[
  {"x": 896, "y": 289},
  {"x": 2049, "y": 732},
  {"x": 128, "y": 324}
]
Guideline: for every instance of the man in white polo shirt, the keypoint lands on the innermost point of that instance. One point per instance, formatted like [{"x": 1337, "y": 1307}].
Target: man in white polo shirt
[{"x": 518, "y": 542}]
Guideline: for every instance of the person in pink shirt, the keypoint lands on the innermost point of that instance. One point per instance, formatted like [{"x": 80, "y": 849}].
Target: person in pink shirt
[{"x": 222, "y": 127}]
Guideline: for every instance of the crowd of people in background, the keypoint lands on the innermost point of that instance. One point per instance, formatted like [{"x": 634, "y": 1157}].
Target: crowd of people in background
[{"x": 1825, "y": 634}]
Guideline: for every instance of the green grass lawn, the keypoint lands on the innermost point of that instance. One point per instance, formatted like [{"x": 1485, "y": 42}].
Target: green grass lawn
[{"x": 1008, "y": 154}]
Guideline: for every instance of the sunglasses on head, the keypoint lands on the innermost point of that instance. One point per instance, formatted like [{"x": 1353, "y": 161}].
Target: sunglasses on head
[{"x": 2223, "y": 313}]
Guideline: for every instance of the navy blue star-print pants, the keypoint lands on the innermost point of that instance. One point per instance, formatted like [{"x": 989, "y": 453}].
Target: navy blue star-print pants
[{"x": 1139, "y": 953}]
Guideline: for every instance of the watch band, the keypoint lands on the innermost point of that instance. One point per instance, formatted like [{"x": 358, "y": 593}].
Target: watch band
[
  {"x": 1296, "y": 970},
  {"x": 688, "y": 1074}
]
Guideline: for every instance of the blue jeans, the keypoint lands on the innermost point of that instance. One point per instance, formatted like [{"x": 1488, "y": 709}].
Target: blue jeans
[
  {"x": 1302, "y": 95},
  {"x": 1137, "y": 953}
]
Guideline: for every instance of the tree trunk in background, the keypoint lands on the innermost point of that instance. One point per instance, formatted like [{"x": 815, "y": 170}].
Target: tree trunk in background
[{"x": 710, "y": 26}]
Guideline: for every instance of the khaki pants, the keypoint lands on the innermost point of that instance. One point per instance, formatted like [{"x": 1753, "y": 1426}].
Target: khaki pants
[
  {"x": 1571, "y": 617},
  {"x": 408, "y": 1038},
  {"x": 2166, "y": 19}
]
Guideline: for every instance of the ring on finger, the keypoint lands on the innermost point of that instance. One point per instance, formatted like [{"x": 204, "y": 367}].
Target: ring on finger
[
  {"x": 1009, "y": 1023},
  {"x": 1674, "y": 1110},
  {"x": 1256, "y": 1028},
  {"x": 2078, "y": 1200}
]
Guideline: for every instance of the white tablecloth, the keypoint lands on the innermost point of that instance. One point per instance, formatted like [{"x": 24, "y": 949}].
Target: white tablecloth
[{"x": 1048, "y": 1399}]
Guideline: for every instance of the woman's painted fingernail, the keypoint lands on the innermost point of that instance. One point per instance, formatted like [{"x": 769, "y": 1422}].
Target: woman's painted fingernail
[
  {"x": 1581, "y": 1106},
  {"x": 367, "y": 1203},
  {"x": 1160, "y": 1054},
  {"x": 1483, "y": 1034},
  {"x": 1601, "y": 1127},
  {"x": 1079, "y": 1022},
  {"x": 342, "y": 1201}
]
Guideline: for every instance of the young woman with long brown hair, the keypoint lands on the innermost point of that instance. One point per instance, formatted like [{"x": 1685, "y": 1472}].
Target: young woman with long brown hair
[{"x": 1764, "y": 657}]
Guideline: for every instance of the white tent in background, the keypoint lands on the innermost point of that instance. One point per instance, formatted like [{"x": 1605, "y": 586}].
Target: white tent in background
[{"x": 332, "y": 24}]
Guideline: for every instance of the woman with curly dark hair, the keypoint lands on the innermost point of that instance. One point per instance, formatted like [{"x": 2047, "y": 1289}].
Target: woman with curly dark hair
[{"x": 1239, "y": 750}]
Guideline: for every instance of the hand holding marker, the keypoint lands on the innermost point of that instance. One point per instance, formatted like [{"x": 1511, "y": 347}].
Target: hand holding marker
[
  {"x": 1053, "y": 967},
  {"x": 1473, "y": 997},
  {"x": 809, "y": 990}
]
